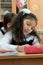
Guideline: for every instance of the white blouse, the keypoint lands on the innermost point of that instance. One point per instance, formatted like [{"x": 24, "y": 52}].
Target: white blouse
[
  {"x": 5, "y": 42},
  {"x": 7, "y": 38}
]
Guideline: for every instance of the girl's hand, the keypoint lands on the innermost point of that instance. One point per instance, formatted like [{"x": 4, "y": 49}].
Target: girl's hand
[
  {"x": 21, "y": 48},
  {"x": 37, "y": 45}
]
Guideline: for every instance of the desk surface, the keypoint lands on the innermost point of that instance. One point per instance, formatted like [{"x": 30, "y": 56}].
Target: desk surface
[{"x": 22, "y": 55}]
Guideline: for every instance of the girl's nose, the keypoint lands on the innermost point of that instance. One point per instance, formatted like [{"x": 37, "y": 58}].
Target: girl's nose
[{"x": 29, "y": 28}]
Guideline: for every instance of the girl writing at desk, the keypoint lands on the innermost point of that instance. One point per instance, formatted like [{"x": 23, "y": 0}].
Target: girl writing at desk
[
  {"x": 6, "y": 23},
  {"x": 23, "y": 32}
]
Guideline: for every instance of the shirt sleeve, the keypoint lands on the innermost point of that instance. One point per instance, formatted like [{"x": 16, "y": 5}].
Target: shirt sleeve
[
  {"x": 36, "y": 41},
  {"x": 5, "y": 42},
  {"x": 6, "y": 38}
]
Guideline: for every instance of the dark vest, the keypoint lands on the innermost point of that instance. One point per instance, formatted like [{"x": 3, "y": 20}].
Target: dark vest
[
  {"x": 22, "y": 43},
  {"x": 2, "y": 31},
  {"x": 30, "y": 42}
]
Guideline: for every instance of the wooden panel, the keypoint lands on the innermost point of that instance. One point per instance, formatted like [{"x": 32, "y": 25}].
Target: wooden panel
[
  {"x": 14, "y": 6},
  {"x": 41, "y": 37},
  {"x": 28, "y": 4}
]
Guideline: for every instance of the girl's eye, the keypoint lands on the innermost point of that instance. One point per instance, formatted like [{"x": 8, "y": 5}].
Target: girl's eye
[
  {"x": 28, "y": 24},
  {"x": 33, "y": 28}
]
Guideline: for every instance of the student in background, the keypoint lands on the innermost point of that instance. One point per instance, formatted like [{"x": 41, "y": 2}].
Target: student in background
[
  {"x": 7, "y": 22},
  {"x": 7, "y": 35},
  {"x": 24, "y": 31}
]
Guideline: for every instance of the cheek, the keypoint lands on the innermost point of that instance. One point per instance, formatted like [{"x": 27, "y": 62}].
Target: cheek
[
  {"x": 24, "y": 26},
  {"x": 33, "y": 24},
  {"x": 9, "y": 25}
]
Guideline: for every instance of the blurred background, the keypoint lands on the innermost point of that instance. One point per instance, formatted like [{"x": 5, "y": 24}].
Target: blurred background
[{"x": 36, "y": 7}]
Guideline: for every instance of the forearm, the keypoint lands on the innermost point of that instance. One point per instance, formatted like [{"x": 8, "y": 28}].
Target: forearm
[{"x": 8, "y": 47}]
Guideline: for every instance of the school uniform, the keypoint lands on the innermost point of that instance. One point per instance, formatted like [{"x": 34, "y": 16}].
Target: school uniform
[
  {"x": 2, "y": 32},
  {"x": 9, "y": 43},
  {"x": 28, "y": 39},
  {"x": 5, "y": 42}
]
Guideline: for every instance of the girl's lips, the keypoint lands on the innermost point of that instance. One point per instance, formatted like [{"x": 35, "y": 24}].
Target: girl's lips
[{"x": 26, "y": 30}]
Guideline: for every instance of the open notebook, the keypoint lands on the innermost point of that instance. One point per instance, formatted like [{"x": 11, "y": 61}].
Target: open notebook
[{"x": 9, "y": 54}]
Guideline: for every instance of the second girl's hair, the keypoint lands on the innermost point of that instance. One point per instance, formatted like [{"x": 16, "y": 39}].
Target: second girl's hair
[{"x": 8, "y": 18}]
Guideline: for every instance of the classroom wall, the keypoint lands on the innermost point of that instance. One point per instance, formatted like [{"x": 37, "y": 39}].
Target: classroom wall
[{"x": 36, "y": 6}]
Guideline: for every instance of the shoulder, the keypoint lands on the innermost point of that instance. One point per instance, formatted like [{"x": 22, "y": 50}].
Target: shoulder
[
  {"x": 3, "y": 31},
  {"x": 29, "y": 37},
  {"x": 6, "y": 38},
  {"x": 36, "y": 41},
  {"x": 8, "y": 34},
  {"x": 3, "y": 28}
]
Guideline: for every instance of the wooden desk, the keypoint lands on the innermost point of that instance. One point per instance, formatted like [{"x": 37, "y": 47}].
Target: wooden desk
[{"x": 22, "y": 59}]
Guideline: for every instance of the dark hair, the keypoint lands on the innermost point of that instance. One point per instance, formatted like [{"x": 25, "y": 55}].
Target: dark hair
[
  {"x": 17, "y": 27},
  {"x": 8, "y": 18},
  {"x": 30, "y": 16}
]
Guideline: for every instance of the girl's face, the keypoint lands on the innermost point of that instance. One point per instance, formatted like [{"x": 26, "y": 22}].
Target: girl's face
[
  {"x": 28, "y": 26},
  {"x": 9, "y": 25}
]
